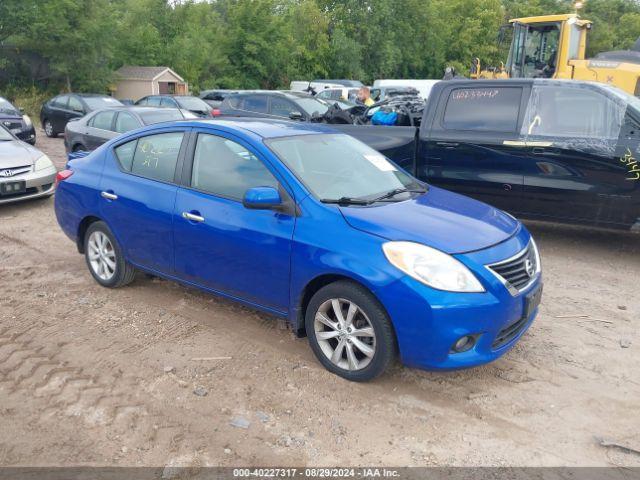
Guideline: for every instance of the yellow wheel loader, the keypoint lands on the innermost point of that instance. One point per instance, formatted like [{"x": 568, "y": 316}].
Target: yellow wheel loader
[{"x": 553, "y": 46}]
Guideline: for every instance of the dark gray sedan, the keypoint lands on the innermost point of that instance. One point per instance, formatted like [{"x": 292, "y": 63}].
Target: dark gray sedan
[{"x": 94, "y": 129}]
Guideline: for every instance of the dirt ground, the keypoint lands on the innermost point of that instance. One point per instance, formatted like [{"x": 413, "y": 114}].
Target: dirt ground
[{"x": 158, "y": 374}]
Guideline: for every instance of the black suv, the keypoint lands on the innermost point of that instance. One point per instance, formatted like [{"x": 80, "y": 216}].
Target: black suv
[
  {"x": 16, "y": 122},
  {"x": 55, "y": 113},
  {"x": 274, "y": 104}
]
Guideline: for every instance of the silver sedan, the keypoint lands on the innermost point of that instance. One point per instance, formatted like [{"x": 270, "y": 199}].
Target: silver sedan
[{"x": 25, "y": 172}]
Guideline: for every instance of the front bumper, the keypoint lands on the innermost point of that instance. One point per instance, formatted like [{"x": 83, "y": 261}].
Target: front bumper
[
  {"x": 27, "y": 135},
  {"x": 38, "y": 184},
  {"x": 428, "y": 322}
]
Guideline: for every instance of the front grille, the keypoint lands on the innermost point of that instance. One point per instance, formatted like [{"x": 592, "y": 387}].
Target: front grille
[
  {"x": 13, "y": 171},
  {"x": 518, "y": 271},
  {"x": 509, "y": 333},
  {"x": 12, "y": 124}
]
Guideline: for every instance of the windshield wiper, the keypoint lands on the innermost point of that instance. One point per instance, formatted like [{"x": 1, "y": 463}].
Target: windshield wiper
[
  {"x": 346, "y": 201},
  {"x": 397, "y": 191}
]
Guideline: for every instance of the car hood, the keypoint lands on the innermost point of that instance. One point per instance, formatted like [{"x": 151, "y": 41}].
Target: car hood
[
  {"x": 440, "y": 219},
  {"x": 15, "y": 153}
]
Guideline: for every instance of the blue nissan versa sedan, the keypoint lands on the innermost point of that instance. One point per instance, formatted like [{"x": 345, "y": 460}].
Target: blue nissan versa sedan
[{"x": 312, "y": 225}]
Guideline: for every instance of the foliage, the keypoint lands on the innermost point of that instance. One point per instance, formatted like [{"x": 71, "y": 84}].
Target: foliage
[{"x": 268, "y": 43}]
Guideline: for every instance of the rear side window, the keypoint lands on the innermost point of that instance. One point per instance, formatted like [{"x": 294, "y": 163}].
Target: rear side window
[
  {"x": 126, "y": 122},
  {"x": 102, "y": 120},
  {"x": 256, "y": 104},
  {"x": 153, "y": 156},
  {"x": 153, "y": 101},
  {"x": 483, "y": 109},
  {"x": 223, "y": 167}
]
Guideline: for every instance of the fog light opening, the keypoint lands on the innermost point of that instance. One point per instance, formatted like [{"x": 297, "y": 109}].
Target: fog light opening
[{"x": 463, "y": 344}]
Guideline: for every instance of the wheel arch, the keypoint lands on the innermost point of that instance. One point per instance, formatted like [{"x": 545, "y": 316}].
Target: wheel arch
[
  {"x": 313, "y": 286},
  {"x": 83, "y": 226}
]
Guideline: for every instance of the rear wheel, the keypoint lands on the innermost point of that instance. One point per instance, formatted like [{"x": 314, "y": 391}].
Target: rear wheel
[
  {"x": 349, "y": 331},
  {"x": 48, "y": 128},
  {"x": 104, "y": 257}
]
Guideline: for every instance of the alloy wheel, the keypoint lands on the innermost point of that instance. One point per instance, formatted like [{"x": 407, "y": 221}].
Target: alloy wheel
[
  {"x": 48, "y": 128},
  {"x": 345, "y": 334},
  {"x": 102, "y": 256}
]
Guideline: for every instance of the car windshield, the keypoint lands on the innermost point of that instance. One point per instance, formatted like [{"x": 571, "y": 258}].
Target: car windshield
[
  {"x": 5, "y": 135},
  {"x": 193, "y": 103},
  {"x": 157, "y": 116},
  {"x": 96, "y": 103},
  {"x": 7, "y": 108},
  {"x": 312, "y": 105},
  {"x": 335, "y": 166}
]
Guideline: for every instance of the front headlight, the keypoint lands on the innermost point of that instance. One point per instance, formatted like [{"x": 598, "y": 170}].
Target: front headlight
[
  {"x": 27, "y": 121},
  {"x": 42, "y": 163},
  {"x": 431, "y": 267}
]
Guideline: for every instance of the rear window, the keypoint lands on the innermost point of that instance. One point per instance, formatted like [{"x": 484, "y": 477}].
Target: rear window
[
  {"x": 96, "y": 103},
  {"x": 192, "y": 103},
  {"x": 160, "y": 116},
  {"x": 485, "y": 109}
]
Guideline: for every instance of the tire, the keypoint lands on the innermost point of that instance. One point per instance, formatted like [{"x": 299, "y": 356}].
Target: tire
[
  {"x": 115, "y": 273},
  {"x": 78, "y": 148},
  {"x": 369, "y": 317},
  {"x": 48, "y": 128}
]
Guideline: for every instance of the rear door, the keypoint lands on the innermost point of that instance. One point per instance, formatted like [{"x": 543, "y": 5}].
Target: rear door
[
  {"x": 58, "y": 112},
  {"x": 473, "y": 145},
  {"x": 138, "y": 189},
  {"x": 578, "y": 136},
  {"x": 100, "y": 129}
]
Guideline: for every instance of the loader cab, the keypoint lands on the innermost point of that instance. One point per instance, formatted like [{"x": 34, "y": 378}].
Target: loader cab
[{"x": 541, "y": 47}]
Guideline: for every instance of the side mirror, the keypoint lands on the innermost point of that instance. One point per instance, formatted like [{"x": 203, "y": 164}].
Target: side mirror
[
  {"x": 295, "y": 115},
  {"x": 262, "y": 198}
]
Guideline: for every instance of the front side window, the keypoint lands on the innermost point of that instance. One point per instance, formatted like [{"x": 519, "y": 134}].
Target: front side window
[
  {"x": 168, "y": 102},
  {"x": 486, "y": 109},
  {"x": 103, "y": 120},
  {"x": 333, "y": 166},
  {"x": 227, "y": 169},
  {"x": 567, "y": 111},
  {"x": 153, "y": 101},
  {"x": 61, "y": 101},
  {"x": 153, "y": 156},
  {"x": 281, "y": 107},
  {"x": 126, "y": 122}
]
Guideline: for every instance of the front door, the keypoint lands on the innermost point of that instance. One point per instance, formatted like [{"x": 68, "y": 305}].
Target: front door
[
  {"x": 219, "y": 244},
  {"x": 473, "y": 145},
  {"x": 138, "y": 192},
  {"x": 577, "y": 136}
]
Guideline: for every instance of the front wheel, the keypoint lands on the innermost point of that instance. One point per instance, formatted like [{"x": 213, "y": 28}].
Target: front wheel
[
  {"x": 104, "y": 257},
  {"x": 349, "y": 331}
]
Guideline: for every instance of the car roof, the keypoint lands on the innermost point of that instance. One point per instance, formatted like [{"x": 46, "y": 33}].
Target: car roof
[{"x": 263, "y": 128}]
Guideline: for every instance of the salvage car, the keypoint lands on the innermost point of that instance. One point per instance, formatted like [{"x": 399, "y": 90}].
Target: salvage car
[
  {"x": 25, "y": 172},
  {"x": 539, "y": 149},
  {"x": 14, "y": 120},
  {"x": 311, "y": 225},
  {"x": 214, "y": 98},
  {"x": 56, "y": 112},
  {"x": 278, "y": 105},
  {"x": 92, "y": 130},
  {"x": 195, "y": 105}
]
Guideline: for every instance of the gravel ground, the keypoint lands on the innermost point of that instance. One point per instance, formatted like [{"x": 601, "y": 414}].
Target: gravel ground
[{"x": 158, "y": 374}]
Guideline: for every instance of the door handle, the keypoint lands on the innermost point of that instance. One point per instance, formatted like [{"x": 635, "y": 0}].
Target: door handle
[
  {"x": 193, "y": 217},
  {"x": 109, "y": 195},
  {"x": 447, "y": 144},
  {"x": 538, "y": 150}
]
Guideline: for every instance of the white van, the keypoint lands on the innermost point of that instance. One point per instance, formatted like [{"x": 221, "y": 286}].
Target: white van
[{"x": 423, "y": 86}]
